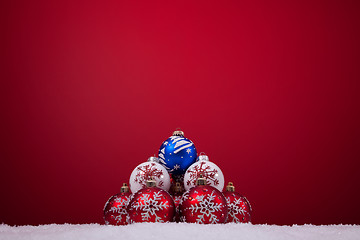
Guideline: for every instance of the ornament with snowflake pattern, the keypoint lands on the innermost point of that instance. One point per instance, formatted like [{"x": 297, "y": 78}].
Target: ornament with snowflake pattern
[
  {"x": 148, "y": 169},
  {"x": 239, "y": 208},
  {"x": 203, "y": 204},
  {"x": 115, "y": 208},
  {"x": 151, "y": 204},
  {"x": 209, "y": 170},
  {"x": 177, "y": 195}
]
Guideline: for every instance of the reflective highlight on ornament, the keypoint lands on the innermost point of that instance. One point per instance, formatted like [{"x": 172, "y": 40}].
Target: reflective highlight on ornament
[
  {"x": 177, "y": 153},
  {"x": 151, "y": 205},
  {"x": 209, "y": 170},
  {"x": 204, "y": 205},
  {"x": 144, "y": 171},
  {"x": 115, "y": 212},
  {"x": 239, "y": 208}
]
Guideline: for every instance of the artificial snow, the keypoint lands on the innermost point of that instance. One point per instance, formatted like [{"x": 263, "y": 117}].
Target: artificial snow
[{"x": 180, "y": 231}]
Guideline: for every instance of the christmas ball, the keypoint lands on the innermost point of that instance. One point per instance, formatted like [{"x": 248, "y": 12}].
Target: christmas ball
[
  {"x": 203, "y": 204},
  {"x": 177, "y": 195},
  {"x": 115, "y": 208},
  {"x": 175, "y": 181},
  {"x": 148, "y": 169},
  {"x": 209, "y": 170},
  {"x": 151, "y": 204},
  {"x": 177, "y": 153},
  {"x": 239, "y": 208}
]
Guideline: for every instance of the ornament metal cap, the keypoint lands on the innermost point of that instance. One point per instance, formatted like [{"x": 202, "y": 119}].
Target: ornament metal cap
[
  {"x": 151, "y": 182},
  {"x": 230, "y": 187},
  {"x": 153, "y": 159},
  {"x": 203, "y": 157},
  {"x": 201, "y": 181},
  {"x": 178, "y": 132},
  {"x": 124, "y": 188},
  {"x": 177, "y": 188}
]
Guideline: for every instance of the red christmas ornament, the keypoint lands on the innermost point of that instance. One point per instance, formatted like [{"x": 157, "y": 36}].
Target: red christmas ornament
[
  {"x": 151, "y": 204},
  {"x": 177, "y": 195},
  {"x": 239, "y": 208},
  {"x": 115, "y": 208},
  {"x": 203, "y": 204},
  {"x": 175, "y": 180}
]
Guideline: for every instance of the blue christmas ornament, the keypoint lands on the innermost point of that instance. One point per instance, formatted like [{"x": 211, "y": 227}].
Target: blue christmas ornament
[{"x": 177, "y": 153}]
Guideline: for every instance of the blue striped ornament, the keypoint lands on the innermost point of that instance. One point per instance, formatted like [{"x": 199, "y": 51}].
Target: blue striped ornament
[{"x": 177, "y": 153}]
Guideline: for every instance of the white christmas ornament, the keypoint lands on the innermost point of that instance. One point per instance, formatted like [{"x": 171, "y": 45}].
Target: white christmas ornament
[
  {"x": 148, "y": 169},
  {"x": 209, "y": 170}
]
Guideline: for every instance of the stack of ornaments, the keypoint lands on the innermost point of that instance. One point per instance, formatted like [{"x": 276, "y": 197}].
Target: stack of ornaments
[{"x": 178, "y": 186}]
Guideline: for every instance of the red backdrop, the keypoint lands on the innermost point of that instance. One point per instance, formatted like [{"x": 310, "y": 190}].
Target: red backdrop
[{"x": 269, "y": 90}]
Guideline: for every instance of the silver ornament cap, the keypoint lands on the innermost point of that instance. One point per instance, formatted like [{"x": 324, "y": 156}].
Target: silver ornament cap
[
  {"x": 153, "y": 159},
  {"x": 203, "y": 157}
]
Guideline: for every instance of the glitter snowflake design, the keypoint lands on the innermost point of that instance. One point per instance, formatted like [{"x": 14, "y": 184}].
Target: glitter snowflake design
[
  {"x": 120, "y": 209},
  {"x": 146, "y": 171},
  {"x": 149, "y": 206},
  {"x": 236, "y": 209},
  {"x": 205, "y": 207},
  {"x": 206, "y": 171},
  {"x": 177, "y": 200},
  {"x": 115, "y": 212}
]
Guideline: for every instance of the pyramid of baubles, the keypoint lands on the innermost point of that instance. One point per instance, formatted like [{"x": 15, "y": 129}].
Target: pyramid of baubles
[{"x": 177, "y": 186}]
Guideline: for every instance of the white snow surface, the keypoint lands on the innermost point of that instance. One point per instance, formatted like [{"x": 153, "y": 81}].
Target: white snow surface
[{"x": 183, "y": 231}]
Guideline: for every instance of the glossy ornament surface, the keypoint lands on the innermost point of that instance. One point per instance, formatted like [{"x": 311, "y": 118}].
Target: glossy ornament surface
[
  {"x": 209, "y": 170},
  {"x": 148, "y": 169},
  {"x": 203, "y": 204},
  {"x": 177, "y": 153},
  {"x": 175, "y": 181},
  {"x": 177, "y": 195},
  {"x": 115, "y": 212},
  {"x": 151, "y": 204},
  {"x": 239, "y": 208}
]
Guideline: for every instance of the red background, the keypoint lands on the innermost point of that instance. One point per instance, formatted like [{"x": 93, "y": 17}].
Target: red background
[{"x": 269, "y": 90}]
